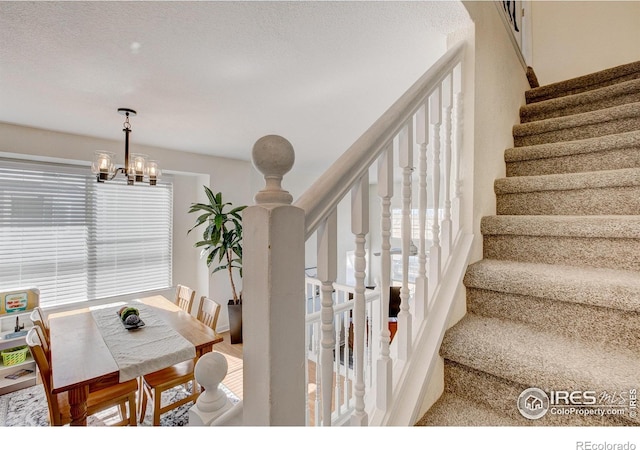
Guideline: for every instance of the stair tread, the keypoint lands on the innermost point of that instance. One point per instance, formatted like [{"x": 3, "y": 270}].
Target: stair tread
[
  {"x": 629, "y": 110},
  {"x": 543, "y": 359},
  {"x": 608, "y": 288},
  {"x": 583, "y": 83},
  {"x": 607, "y": 96},
  {"x": 485, "y": 392},
  {"x": 568, "y": 181},
  {"x": 613, "y": 226},
  {"x": 629, "y": 139},
  {"x": 454, "y": 410},
  {"x": 534, "y": 323}
]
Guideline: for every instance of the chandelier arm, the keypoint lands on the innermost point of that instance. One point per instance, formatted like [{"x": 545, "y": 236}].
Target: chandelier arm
[{"x": 118, "y": 170}]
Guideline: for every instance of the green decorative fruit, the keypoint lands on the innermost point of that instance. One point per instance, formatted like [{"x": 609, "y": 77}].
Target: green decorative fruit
[{"x": 127, "y": 312}]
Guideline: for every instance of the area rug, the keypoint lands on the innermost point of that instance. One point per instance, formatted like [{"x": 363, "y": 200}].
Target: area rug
[{"x": 28, "y": 408}]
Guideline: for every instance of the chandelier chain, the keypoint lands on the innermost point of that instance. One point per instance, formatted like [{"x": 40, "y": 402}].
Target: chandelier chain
[{"x": 126, "y": 124}]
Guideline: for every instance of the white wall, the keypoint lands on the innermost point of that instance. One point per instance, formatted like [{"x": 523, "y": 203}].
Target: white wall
[
  {"x": 188, "y": 268},
  {"x": 494, "y": 91},
  {"x": 499, "y": 86},
  {"x": 574, "y": 38},
  {"x": 190, "y": 172}
]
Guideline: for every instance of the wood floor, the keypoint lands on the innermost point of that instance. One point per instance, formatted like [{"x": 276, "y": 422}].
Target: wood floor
[
  {"x": 233, "y": 354},
  {"x": 233, "y": 380}
]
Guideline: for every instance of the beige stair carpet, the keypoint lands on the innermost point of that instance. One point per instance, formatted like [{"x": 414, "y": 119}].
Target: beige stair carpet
[{"x": 555, "y": 303}]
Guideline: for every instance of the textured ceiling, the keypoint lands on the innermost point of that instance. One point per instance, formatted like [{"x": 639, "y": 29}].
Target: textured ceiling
[{"x": 213, "y": 77}]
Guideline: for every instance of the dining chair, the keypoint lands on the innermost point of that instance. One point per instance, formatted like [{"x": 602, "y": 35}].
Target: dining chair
[
  {"x": 39, "y": 318},
  {"x": 185, "y": 297},
  {"x": 208, "y": 312},
  {"x": 154, "y": 384},
  {"x": 44, "y": 342},
  {"x": 120, "y": 395}
]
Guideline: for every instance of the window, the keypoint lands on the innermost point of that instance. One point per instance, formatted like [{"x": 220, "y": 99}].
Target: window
[
  {"x": 414, "y": 215},
  {"x": 396, "y": 233},
  {"x": 79, "y": 240}
]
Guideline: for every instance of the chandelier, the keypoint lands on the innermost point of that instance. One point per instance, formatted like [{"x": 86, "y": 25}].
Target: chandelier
[{"x": 137, "y": 168}]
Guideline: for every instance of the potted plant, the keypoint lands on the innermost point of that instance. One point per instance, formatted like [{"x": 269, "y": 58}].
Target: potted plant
[{"x": 222, "y": 243}]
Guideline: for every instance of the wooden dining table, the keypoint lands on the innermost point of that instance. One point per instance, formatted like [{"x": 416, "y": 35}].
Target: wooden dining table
[{"x": 81, "y": 361}]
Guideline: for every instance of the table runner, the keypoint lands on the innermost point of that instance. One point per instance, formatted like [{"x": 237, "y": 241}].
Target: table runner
[{"x": 143, "y": 350}]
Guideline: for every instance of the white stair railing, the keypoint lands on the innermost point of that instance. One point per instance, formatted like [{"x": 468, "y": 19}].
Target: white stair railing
[
  {"x": 337, "y": 361},
  {"x": 280, "y": 334}
]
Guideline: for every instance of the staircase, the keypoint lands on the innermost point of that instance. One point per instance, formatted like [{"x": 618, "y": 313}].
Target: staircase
[{"x": 555, "y": 303}]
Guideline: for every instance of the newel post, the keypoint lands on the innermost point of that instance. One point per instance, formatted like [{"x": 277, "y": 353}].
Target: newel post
[
  {"x": 273, "y": 300},
  {"x": 209, "y": 372}
]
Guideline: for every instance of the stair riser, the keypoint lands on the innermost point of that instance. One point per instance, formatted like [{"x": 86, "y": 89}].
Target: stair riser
[
  {"x": 621, "y": 254},
  {"x": 538, "y": 113},
  {"x": 622, "y": 125},
  {"x": 600, "y": 201},
  {"x": 626, "y": 158},
  {"x": 502, "y": 396},
  {"x": 589, "y": 323}
]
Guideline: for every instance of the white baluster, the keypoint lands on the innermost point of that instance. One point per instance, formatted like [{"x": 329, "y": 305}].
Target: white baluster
[
  {"x": 339, "y": 392},
  {"x": 317, "y": 376},
  {"x": 347, "y": 357},
  {"x": 404, "y": 333},
  {"x": 344, "y": 319},
  {"x": 422, "y": 284},
  {"x": 458, "y": 122},
  {"x": 274, "y": 237},
  {"x": 308, "y": 347},
  {"x": 327, "y": 238},
  {"x": 368, "y": 343},
  {"x": 360, "y": 228},
  {"x": 446, "y": 221},
  {"x": 434, "y": 251},
  {"x": 385, "y": 192}
]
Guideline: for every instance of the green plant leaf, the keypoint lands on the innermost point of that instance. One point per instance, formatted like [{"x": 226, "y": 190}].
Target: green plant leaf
[
  {"x": 222, "y": 236},
  {"x": 210, "y": 195},
  {"x": 200, "y": 207},
  {"x": 219, "y": 221},
  {"x": 218, "y": 269}
]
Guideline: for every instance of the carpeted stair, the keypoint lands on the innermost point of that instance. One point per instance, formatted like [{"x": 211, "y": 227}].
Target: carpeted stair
[{"x": 555, "y": 303}]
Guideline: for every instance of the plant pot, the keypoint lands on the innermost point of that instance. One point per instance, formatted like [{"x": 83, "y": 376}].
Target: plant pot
[{"x": 235, "y": 321}]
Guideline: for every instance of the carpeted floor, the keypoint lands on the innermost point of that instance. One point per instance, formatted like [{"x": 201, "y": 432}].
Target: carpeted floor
[{"x": 28, "y": 407}]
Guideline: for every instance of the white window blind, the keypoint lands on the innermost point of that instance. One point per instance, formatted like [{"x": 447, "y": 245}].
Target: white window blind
[
  {"x": 396, "y": 223},
  {"x": 79, "y": 240}
]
